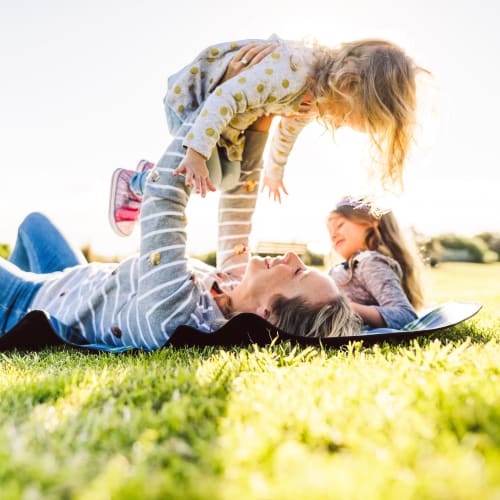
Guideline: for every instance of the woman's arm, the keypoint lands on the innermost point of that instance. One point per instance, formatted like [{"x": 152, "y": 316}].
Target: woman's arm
[
  {"x": 167, "y": 294},
  {"x": 236, "y": 206}
]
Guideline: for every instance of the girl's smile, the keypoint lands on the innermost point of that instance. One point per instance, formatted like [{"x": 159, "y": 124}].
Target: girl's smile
[{"x": 348, "y": 237}]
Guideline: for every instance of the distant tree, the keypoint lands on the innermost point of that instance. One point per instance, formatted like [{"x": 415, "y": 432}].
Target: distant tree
[
  {"x": 451, "y": 247},
  {"x": 492, "y": 240},
  {"x": 209, "y": 258},
  {"x": 314, "y": 259}
]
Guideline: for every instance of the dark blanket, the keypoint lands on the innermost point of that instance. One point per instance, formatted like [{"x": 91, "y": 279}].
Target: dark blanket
[{"x": 34, "y": 331}]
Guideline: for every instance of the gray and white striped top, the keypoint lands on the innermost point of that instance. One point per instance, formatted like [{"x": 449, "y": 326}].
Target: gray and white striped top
[{"x": 141, "y": 301}]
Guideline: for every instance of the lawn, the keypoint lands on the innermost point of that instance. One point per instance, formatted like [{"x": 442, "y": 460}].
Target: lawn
[{"x": 415, "y": 420}]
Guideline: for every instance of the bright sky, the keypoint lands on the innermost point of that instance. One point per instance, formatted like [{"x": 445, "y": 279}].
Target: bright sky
[{"x": 83, "y": 82}]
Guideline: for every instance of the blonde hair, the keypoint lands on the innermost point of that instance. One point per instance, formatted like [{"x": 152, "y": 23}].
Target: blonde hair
[
  {"x": 384, "y": 235},
  {"x": 378, "y": 78},
  {"x": 298, "y": 317}
]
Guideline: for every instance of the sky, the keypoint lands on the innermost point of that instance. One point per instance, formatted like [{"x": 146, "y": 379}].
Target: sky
[{"x": 82, "y": 87}]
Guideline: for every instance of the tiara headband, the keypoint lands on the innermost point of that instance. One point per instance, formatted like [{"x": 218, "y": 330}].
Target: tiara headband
[{"x": 362, "y": 204}]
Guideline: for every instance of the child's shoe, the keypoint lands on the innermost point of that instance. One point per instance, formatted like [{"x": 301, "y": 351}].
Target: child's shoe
[{"x": 124, "y": 205}]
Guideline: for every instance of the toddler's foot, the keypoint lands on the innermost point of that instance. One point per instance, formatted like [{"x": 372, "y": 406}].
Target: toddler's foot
[{"x": 124, "y": 205}]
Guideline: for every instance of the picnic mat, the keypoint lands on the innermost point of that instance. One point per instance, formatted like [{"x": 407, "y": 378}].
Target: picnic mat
[{"x": 35, "y": 331}]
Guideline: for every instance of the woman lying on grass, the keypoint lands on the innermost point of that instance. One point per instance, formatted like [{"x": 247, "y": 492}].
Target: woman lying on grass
[{"x": 141, "y": 301}]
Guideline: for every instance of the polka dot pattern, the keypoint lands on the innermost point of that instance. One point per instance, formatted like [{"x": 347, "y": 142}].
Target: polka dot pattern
[{"x": 275, "y": 86}]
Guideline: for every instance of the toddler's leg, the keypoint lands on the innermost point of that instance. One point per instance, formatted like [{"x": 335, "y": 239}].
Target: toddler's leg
[
  {"x": 224, "y": 174},
  {"x": 231, "y": 173},
  {"x": 138, "y": 180},
  {"x": 41, "y": 248}
]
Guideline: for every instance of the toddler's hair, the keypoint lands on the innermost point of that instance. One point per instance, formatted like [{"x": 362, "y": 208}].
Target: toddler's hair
[
  {"x": 378, "y": 78},
  {"x": 387, "y": 238}
]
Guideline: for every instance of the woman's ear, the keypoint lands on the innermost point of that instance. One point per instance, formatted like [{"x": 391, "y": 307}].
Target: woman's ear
[{"x": 263, "y": 312}]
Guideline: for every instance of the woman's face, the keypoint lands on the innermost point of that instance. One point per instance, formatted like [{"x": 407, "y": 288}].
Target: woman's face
[
  {"x": 287, "y": 276},
  {"x": 348, "y": 237}
]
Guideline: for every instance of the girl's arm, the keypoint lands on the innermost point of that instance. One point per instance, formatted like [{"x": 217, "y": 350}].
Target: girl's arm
[
  {"x": 369, "y": 314},
  {"x": 282, "y": 143},
  {"x": 380, "y": 276}
]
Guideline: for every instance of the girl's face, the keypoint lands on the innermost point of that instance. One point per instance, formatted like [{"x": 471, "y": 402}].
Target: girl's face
[{"x": 348, "y": 237}]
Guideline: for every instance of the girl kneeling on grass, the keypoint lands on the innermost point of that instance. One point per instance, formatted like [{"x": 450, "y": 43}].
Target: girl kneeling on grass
[
  {"x": 379, "y": 274},
  {"x": 140, "y": 302}
]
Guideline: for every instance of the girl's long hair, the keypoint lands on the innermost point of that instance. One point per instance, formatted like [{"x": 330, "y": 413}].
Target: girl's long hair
[
  {"x": 378, "y": 78},
  {"x": 385, "y": 236}
]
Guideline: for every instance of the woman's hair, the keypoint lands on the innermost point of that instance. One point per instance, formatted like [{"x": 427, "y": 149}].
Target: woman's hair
[
  {"x": 378, "y": 78},
  {"x": 385, "y": 236},
  {"x": 299, "y": 317}
]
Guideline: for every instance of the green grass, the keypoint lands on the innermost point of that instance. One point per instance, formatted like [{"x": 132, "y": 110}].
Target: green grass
[{"x": 414, "y": 420}]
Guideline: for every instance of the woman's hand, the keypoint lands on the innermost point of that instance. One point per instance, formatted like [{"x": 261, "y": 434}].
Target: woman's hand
[
  {"x": 194, "y": 168},
  {"x": 275, "y": 187},
  {"x": 248, "y": 56}
]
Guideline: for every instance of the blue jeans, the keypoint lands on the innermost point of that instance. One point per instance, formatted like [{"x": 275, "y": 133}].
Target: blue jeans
[{"x": 40, "y": 248}]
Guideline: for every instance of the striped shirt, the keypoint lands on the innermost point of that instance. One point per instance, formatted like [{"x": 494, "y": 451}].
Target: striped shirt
[{"x": 141, "y": 301}]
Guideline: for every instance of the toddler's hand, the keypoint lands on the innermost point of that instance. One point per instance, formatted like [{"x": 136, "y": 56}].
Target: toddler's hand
[
  {"x": 275, "y": 187},
  {"x": 194, "y": 168}
]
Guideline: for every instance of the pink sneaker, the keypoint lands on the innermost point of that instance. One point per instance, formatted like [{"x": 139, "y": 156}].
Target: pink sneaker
[{"x": 124, "y": 205}]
